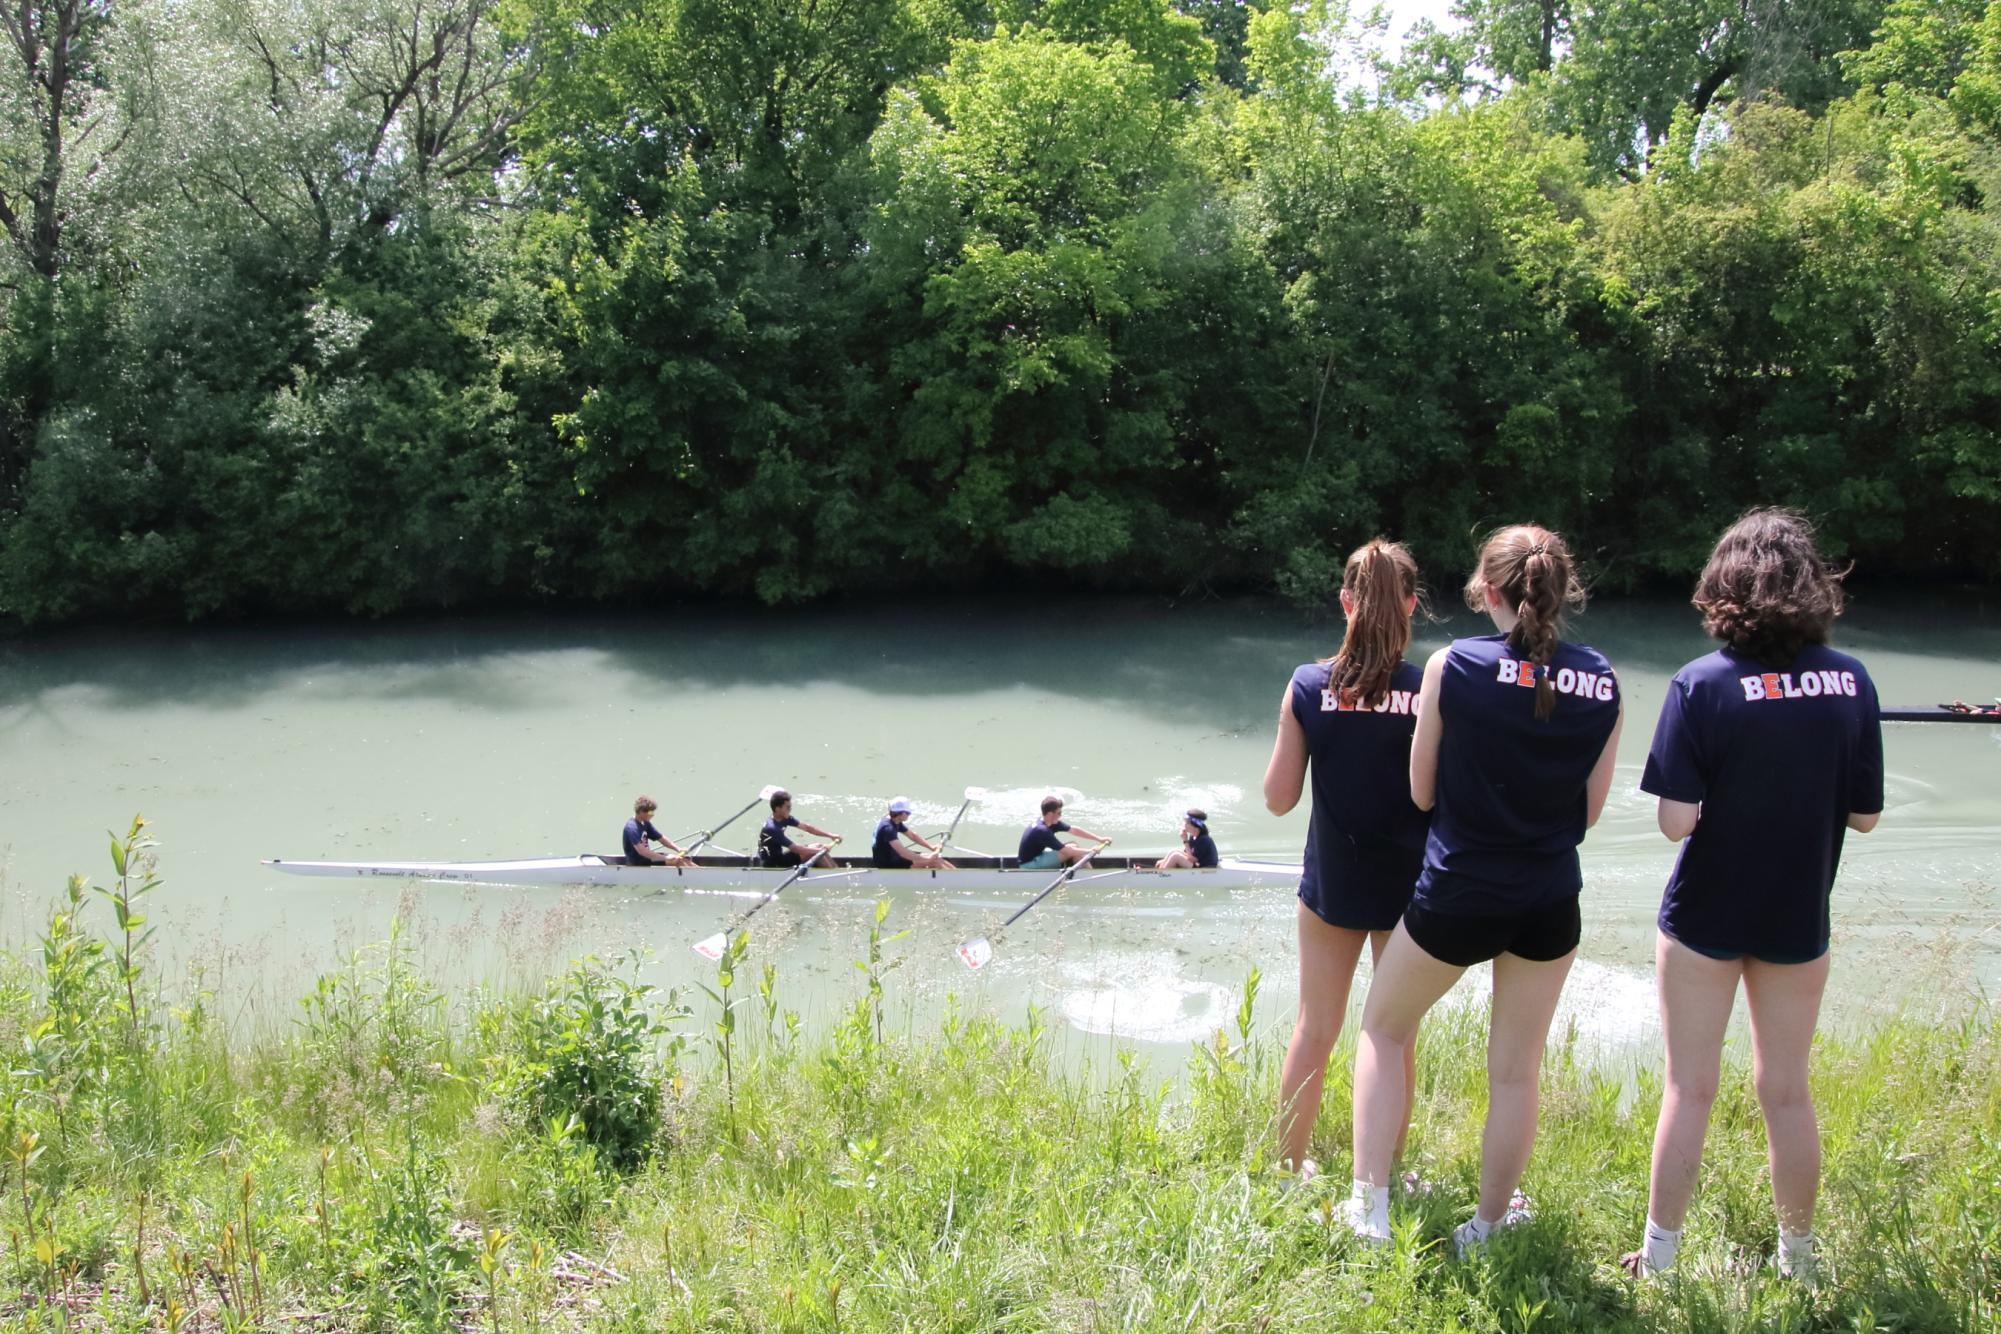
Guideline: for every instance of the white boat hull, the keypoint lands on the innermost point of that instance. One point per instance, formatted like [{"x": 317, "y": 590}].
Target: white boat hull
[{"x": 734, "y": 873}]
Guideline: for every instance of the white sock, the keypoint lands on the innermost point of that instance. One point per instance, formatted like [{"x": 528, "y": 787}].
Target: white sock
[
  {"x": 1375, "y": 1200},
  {"x": 1478, "y": 1226},
  {"x": 1660, "y": 1247}
]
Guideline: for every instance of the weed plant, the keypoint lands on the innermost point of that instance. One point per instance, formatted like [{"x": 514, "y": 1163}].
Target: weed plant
[{"x": 580, "y": 1158}]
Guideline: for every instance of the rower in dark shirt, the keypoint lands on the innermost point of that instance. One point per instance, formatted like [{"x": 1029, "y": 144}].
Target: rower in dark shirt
[
  {"x": 640, "y": 835},
  {"x": 776, "y": 848},
  {"x": 892, "y": 829},
  {"x": 1041, "y": 850}
]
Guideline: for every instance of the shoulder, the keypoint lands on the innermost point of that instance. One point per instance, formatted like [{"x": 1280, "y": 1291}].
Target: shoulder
[
  {"x": 1310, "y": 677},
  {"x": 1707, "y": 670},
  {"x": 1584, "y": 657},
  {"x": 1821, "y": 655}
]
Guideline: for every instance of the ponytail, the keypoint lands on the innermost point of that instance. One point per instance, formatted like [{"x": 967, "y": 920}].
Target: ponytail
[
  {"x": 1380, "y": 580},
  {"x": 1530, "y": 567}
]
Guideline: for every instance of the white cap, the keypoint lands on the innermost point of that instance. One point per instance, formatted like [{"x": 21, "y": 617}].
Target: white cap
[{"x": 899, "y": 805}]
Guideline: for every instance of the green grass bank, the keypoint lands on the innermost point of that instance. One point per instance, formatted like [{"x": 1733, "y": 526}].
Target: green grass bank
[{"x": 598, "y": 1155}]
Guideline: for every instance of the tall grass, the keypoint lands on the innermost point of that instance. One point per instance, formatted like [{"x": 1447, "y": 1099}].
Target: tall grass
[{"x": 583, "y": 1157}]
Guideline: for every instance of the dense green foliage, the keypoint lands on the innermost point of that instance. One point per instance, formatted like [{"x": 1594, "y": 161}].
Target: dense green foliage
[
  {"x": 372, "y": 1165},
  {"x": 334, "y": 305}
]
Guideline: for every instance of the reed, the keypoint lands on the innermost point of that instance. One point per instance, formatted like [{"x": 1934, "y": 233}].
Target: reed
[{"x": 579, "y": 1158}]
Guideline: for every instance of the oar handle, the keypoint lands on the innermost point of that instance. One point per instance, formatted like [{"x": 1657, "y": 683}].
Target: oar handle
[{"x": 708, "y": 834}]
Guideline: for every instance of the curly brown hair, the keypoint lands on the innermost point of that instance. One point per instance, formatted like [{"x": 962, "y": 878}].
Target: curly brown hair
[{"x": 1766, "y": 591}]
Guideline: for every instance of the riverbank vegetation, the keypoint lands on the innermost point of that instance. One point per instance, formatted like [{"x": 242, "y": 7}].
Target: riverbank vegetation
[
  {"x": 589, "y": 1153},
  {"x": 334, "y": 305}
]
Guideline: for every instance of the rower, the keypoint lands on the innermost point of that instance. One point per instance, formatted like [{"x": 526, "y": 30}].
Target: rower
[
  {"x": 890, "y": 854},
  {"x": 776, "y": 848},
  {"x": 1197, "y": 848},
  {"x": 1041, "y": 850},
  {"x": 640, "y": 835}
]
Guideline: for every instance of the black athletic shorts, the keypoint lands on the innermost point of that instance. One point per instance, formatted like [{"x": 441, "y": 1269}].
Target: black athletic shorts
[{"x": 1538, "y": 934}]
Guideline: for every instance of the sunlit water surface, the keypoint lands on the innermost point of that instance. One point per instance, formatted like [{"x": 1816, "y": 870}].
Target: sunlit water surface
[{"x": 495, "y": 738}]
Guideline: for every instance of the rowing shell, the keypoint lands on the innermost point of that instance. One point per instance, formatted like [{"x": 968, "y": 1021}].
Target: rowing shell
[{"x": 986, "y": 873}]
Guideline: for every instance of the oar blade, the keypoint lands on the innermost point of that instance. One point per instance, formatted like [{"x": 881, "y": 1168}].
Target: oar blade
[
  {"x": 713, "y": 947},
  {"x": 977, "y": 953},
  {"x": 975, "y": 793},
  {"x": 764, "y": 793}
]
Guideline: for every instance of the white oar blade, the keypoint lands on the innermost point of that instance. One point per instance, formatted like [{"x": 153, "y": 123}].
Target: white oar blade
[
  {"x": 764, "y": 793},
  {"x": 975, "y": 793},
  {"x": 977, "y": 953},
  {"x": 712, "y": 948}
]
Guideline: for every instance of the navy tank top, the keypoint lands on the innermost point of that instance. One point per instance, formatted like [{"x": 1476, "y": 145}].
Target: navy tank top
[
  {"x": 1510, "y": 808},
  {"x": 1359, "y": 764}
]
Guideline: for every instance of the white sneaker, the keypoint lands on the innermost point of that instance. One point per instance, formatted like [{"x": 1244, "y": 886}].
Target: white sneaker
[
  {"x": 1801, "y": 1269},
  {"x": 1468, "y": 1243},
  {"x": 1291, "y": 1179},
  {"x": 1354, "y": 1215}
]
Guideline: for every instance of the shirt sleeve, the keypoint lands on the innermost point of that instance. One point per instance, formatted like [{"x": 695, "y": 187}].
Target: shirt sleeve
[
  {"x": 1300, "y": 692},
  {"x": 1674, "y": 761},
  {"x": 1865, "y": 791}
]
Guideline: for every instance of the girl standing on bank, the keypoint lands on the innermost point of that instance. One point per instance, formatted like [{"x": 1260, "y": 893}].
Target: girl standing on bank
[
  {"x": 1516, "y": 734},
  {"x": 1351, "y": 717},
  {"x": 1767, "y": 752}
]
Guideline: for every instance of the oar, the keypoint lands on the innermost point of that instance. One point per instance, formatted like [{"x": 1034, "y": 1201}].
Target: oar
[
  {"x": 712, "y": 948},
  {"x": 972, "y": 794},
  {"x": 764, "y": 794},
  {"x": 979, "y": 951}
]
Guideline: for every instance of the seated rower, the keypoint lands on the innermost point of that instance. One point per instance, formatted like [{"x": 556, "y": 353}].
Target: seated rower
[
  {"x": 640, "y": 835},
  {"x": 890, "y": 853},
  {"x": 1041, "y": 850},
  {"x": 776, "y": 848},
  {"x": 1197, "y": 848}
]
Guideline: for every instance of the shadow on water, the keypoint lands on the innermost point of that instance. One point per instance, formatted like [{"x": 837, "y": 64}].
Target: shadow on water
[{"x": 1215, "y": 665}]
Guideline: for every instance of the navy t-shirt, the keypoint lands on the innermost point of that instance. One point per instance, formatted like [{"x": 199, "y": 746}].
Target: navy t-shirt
[
  {"x": 636, "y": 832},
  {"x": 1365, "y": 837},
  {"x": 773, "y": 847},
  {"x": 1203, "y": 849},
  {"x": 1511, "y": 804},
  {"x": 887, "y": 831},
  {"x": 1039, "y": 838},
  {"x": 1778, "y": 760}
]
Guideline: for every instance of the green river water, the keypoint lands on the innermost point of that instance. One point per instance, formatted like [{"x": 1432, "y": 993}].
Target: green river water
[{"x": 491, "y": 737}]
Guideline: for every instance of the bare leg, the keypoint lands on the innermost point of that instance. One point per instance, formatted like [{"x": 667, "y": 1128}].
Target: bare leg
[
  {"x": 1175, "y": 861},
  {"x": 1525, "y": 996},
  {"x": 1408, "y": 982},
  {"x": 1378, "y": 941},
  {"x": 1696, "y": 994},
  {"x": 1327, "y": 958},
  {"x": 1784, "y": 1000}
]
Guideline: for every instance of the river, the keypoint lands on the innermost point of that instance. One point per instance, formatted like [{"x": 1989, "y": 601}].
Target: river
[{"x": 501, "y": 737}]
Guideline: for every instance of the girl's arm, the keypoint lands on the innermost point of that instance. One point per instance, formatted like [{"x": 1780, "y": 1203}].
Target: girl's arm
[
  {"x": 1861, "y": 823},
  {"x": 1677, "y": 818},
  {"x": 1285, "y": 775},
  {"x": 1599, "y": 786},
  {"x": 1430, "y": 729}
]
